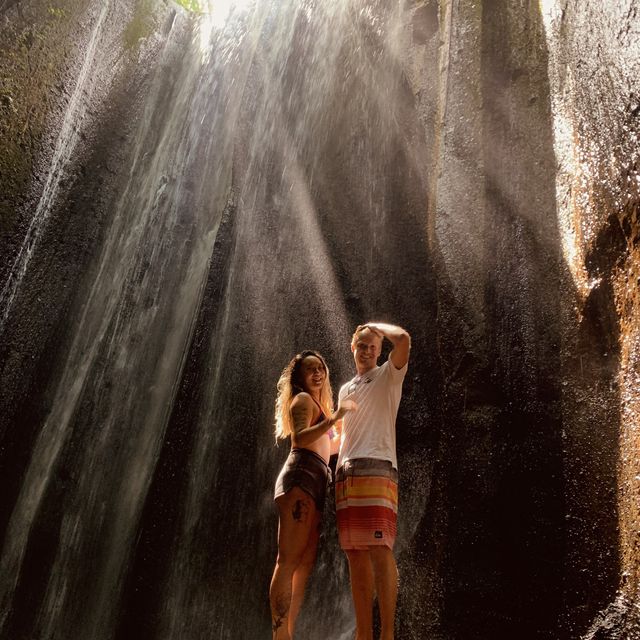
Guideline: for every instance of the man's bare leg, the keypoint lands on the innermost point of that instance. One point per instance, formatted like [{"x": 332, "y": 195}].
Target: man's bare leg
[
  {"x": 297, "y": 512},
  {"x": 361, "y": 572},
  {"x": 386, "y": 581}
]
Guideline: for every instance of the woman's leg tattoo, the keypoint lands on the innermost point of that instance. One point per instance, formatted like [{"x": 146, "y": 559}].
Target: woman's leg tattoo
[
  {"x": 300, "y": 511},
  {"x": 281, "y": 610}
]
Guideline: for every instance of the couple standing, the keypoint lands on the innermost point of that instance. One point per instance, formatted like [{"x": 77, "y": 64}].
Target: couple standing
[{"x": 362, "y": 432}]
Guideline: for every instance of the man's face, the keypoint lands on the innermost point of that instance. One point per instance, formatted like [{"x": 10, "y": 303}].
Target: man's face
[{"x": 366, "y": 350}]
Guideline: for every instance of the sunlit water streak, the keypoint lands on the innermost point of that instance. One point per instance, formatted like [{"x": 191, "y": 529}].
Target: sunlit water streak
[
  {"x": 127, "y": 354},
  {"x": 64, "y": 148},
  {"x": 221, "y": 11},
  {"x": 274, "y": 136}
]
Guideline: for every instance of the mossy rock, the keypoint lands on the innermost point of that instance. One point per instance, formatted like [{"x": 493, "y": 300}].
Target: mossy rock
[
  {"x": 141, "y": 25},
  {"x": 192, "y": 5}
]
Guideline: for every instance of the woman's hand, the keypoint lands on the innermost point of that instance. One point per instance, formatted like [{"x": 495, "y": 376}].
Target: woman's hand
[{"x": 343, "y": 407}]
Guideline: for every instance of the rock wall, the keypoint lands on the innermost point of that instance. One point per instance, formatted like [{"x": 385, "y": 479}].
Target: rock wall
[
  {"x": 594, "y": 65},
  {"x": 535, "y": 184},
  {"x": 494, "y": 232},
  {"x": 44, "y": 47},
  {"x": 72, "y": 77}
]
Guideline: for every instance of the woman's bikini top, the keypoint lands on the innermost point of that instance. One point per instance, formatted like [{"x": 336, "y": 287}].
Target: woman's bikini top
[
  {"x": 321, "y": 417},
  {"x": 331, "y": 433}
]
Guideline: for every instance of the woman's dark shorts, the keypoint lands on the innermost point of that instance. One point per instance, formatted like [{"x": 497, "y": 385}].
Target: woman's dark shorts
[{"x": 307, "y": 470}]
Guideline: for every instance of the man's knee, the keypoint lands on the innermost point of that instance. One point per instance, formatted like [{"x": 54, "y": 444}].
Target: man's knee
[
  {"x": 383, "y": 560},
  {"x": 359, "y": 559},
  {"x": 380, "y": 552}
]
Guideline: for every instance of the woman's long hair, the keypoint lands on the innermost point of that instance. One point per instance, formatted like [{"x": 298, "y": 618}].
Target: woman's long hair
[{"x": 290, "y": 385}]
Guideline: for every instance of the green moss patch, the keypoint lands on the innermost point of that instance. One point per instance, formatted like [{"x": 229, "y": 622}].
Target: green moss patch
[
  {"x": 192, "y": 5},
  {"x": 141, "y": 24}
]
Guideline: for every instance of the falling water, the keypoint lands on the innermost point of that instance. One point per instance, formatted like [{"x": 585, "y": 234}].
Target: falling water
[
  {"x": 275, "y": 136},
  {"x": 64, "y": 148},
  {"x": 130, "y": 343}
]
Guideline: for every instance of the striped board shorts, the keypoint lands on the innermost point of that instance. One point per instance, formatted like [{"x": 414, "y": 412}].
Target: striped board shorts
[{"x": 366, "y": 503}]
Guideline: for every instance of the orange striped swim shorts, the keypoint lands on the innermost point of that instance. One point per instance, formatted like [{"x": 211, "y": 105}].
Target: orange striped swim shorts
[{"x": 366, "y": 503}]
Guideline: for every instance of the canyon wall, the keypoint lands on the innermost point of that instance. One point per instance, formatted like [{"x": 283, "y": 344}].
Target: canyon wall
[{"x": 186, "y": 202}]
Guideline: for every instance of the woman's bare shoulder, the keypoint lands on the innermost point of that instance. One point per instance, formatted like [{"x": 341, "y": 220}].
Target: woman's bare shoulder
[{"x": 302, "y": 400}]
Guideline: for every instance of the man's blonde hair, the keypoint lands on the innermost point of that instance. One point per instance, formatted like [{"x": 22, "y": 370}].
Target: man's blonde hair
[{"x": 359, "y": 329}]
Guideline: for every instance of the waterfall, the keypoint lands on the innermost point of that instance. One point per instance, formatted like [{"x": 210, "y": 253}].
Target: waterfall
[
  {"x": 189, "y": 199},
  {"x": 270, "y": 162}
]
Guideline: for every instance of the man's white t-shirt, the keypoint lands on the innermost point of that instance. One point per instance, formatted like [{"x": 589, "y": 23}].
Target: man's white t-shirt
[{"x": 370, "y": 432}]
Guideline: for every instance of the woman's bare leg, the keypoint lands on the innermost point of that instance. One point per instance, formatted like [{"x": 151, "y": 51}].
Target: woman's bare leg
[
  {"x": 297, "y": 512},
  {"x": 303, "y": 571}
]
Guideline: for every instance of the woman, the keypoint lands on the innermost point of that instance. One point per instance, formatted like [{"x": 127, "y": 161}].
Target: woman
[{"x": 304, "y": 411}]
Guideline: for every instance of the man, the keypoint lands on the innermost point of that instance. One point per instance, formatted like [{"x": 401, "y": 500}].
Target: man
[{"x": 367, "y": 474}]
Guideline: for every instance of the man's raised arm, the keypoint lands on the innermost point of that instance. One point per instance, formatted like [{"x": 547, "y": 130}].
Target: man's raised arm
[{"x": 398, "y": 337}]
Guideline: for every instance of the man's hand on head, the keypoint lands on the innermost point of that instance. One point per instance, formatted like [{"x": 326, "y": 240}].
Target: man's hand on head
[
  {"x": 400, "y": 339},
  {"x": 374, "y": 329}
]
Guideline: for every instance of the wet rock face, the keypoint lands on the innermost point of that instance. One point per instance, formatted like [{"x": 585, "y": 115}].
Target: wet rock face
[
  {"x": 495, "y": 237},
  {"x": 534, "y": 183},
  {"x": 594, "y": 90},
  {"x": 48, "y": 114},
  {"x": 37, "y": 60},
  {"x": 468, "y": 170},
  {"x": 52, "y": 114}
]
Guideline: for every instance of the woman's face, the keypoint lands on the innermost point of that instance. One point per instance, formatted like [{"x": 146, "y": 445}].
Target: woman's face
[{"x": 312, "y": 374}]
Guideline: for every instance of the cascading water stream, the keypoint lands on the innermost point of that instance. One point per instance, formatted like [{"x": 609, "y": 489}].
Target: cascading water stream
[
  {"x": 129, "y": 346},
  {"x": 63, "y": 151},
  {"x": 280, "y": 139},
  {"x": 305, "y": 55}
]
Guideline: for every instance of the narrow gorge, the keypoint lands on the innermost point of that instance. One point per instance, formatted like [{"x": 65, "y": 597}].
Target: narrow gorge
[{"x": 189, "y": 197}]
